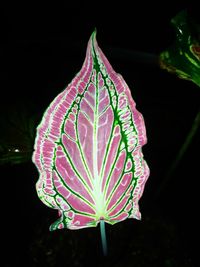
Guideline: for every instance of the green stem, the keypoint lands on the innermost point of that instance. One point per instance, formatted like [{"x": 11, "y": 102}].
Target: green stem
[
  {"x": 183, "y": 149},
  {"x": 103, "y": 237}
]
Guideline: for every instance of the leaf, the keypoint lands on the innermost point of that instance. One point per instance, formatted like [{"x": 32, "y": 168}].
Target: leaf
[
  {"x": 183, "y": 57},
  {"x": 88, "y": 148}
]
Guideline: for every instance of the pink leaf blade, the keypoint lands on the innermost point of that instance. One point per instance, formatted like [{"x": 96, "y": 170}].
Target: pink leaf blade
[{"x": 88, "y": 148}]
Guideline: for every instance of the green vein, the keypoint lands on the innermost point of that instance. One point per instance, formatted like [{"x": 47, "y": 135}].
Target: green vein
[
  {"x": 119, "y": 200},
  {"x": 43, "y": 198},
  {"x": 112, "y": 168},
  {"x": 111, "y": 133},
  {"x": 103, "y": 166},
  {"x": 77, "y": 173},
  {"x": 72, "y": 191},
  {"x": 81, "y": 153},
  {"x": 71, "y": 208},
  {"x": 117, "y": 184}
]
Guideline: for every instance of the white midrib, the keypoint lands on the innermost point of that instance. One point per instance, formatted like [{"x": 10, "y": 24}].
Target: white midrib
[{"x": 97, "y": 181}]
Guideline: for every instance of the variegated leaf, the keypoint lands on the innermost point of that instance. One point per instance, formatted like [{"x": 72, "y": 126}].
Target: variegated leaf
[{"x": 88, "y": 148}]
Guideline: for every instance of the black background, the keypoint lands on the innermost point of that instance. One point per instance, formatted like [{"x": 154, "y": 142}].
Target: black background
[{"x": 43, "y": 47}]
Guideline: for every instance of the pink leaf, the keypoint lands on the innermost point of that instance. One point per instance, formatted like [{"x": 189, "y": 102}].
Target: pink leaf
[{"x": 88, "y": 148}]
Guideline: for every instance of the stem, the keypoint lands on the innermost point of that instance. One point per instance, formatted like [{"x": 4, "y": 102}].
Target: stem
[
  {"x": 181, "y": 153},
  {"x": 103, "y": 237}
]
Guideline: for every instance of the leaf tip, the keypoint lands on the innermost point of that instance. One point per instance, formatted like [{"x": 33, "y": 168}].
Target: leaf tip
[
  {"x": 95, "y": 30},
  {"x": 94, "y": 33},
  {"x": 93, "y": 41}
]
